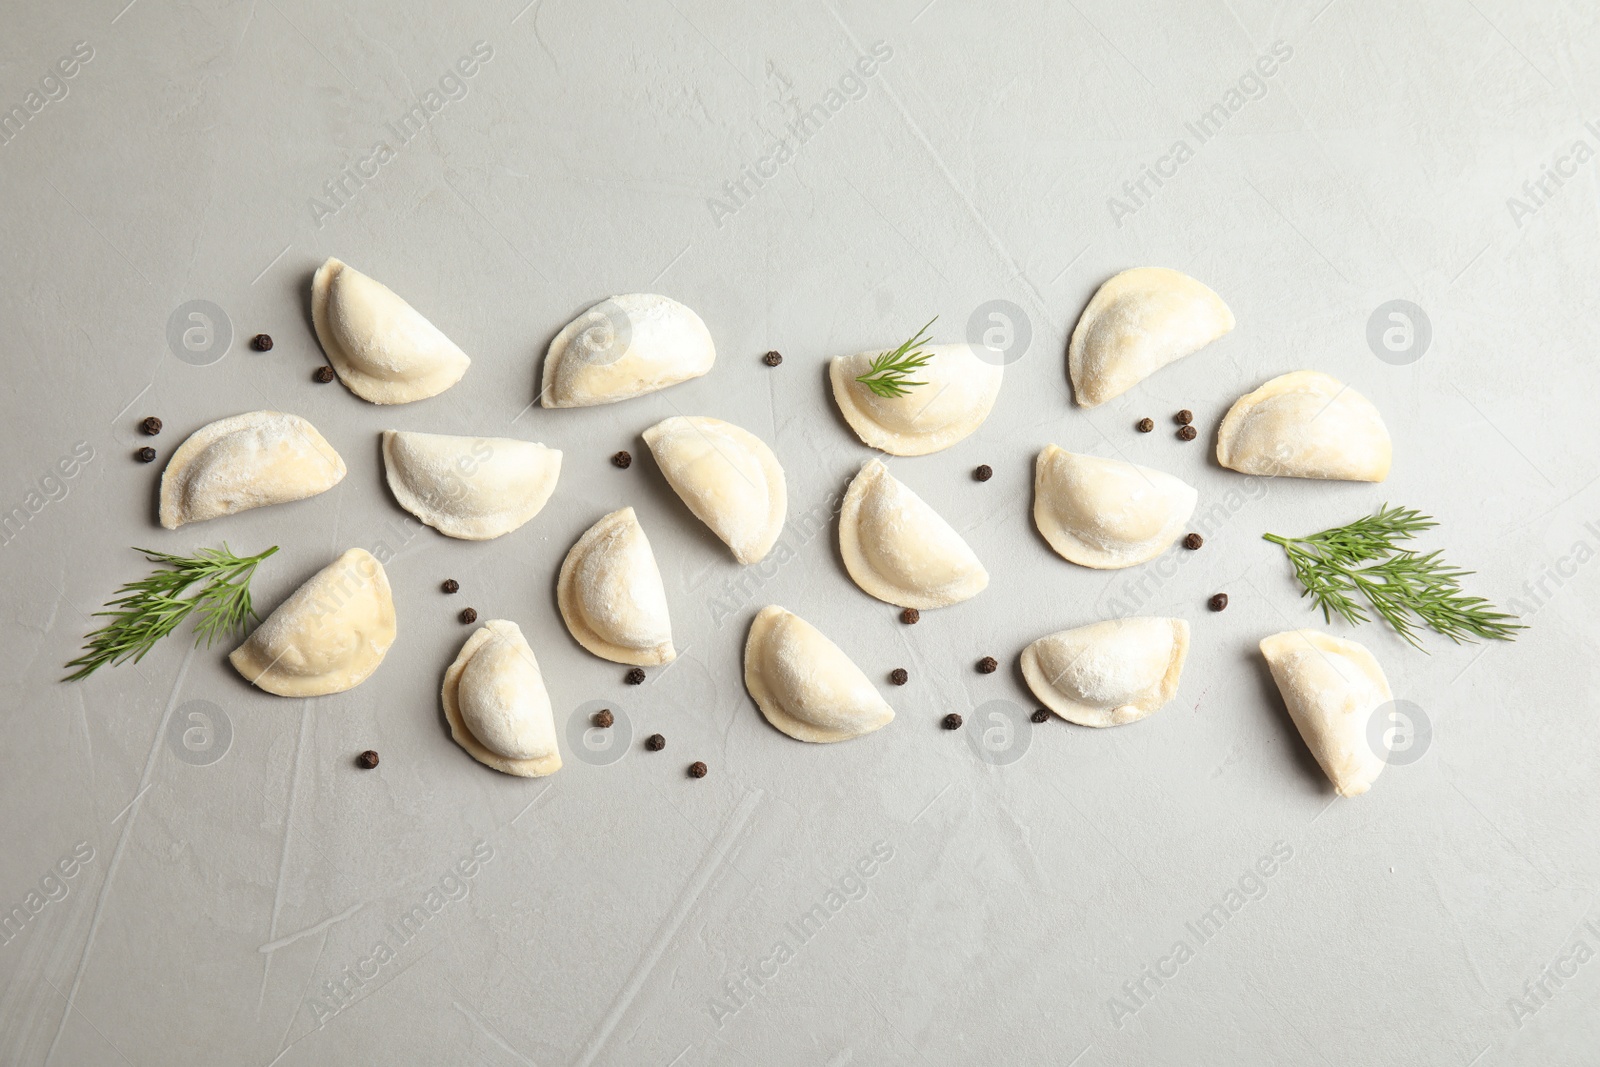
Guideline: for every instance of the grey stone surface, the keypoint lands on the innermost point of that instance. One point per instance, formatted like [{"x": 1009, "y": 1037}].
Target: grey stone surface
[{"x": 235, "y": 870}]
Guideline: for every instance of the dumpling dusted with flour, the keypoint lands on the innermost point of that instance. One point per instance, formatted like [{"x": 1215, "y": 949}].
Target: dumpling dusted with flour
[
  {"x": 474, "y": 488},
  {"x": 804, "y": 683},
  {"x": 382, "y": 349},
  {"x": 246, "y": 461},
  {"x": 329, "y": 636},
  {"x": 727, "y": 476},
  {"x": 956, "y": 390},
  {"x": 625, "y": 346},
  {"x": 1138, "y": 322},
  {"x": 496, "y": 703},
  {"x": 899, "y": 549},
  {"x": 611, "y": 597},
  {"x": 1107, "y": 513},
  {"x": 1332, "y": 688},
  {"x": 1109, "y": 673},
  {"x": 1305, "y": 425}
]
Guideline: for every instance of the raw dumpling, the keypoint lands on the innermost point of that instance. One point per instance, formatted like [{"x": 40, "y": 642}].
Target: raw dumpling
[
  {"x": 623, "y": 347},
  {"x": 899, "y": 549},
  {"x": 473, "y": 488},
  {"x": 960, "y": 388},
  {"x": 328, "y": 636},
  {"x": 1107, "y": 513},
  {"x": 804, "y": 683},
  {"x": 1305, "y": 425},
  {"x": 727, "y": 476},
  {"x": 246, "y": 461},
  {"x": 1109, "y": 673},
  {"x": 1137, "y": 323},
  {"x": 382, "y": 348},
  {"x": 611, "y": 596},
  {"x": 497, "y": 706},
  {"x": 1332, "y": 687}
]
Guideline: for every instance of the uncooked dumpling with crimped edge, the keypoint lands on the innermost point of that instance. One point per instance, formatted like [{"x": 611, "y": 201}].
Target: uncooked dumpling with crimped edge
[
  {"x": 625, "y": 346},
  {"x": 1305, "y": 424},
  {"x": 727, "y": 476},
  {"x": 1108, "y": 673},
  {"x": 474, "y": 488},
  {"x": 383, "y": 350},
  {"x": 328, "y": 636},
  {"x": 958, "y": 391},
  {"x": 611, "y": 597},
  {"x": 1107, "y": 513},
  {"x": 1137, "y": 323},
  {"x": 496, "y": 703},
  {"x": 804, "y": 683},
  {"x": 1332, "y": 688},
  {"x": 899, "y": 549},
  {"x": 246, "y": 461}
]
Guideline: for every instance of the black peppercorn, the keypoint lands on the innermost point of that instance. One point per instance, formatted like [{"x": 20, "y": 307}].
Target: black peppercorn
[
  {"x": 951, "y": 721},
  {"x": 368, "y": 759},
  {"x": 635, "y": 676},
  {"x": 1184, "y": 417},
  {"x": 697, "y": 769},
  {"x": 604, "y": 719},
  {"x": 1188, "y": 433},
  {"x": 1040, "y": 715},
  {"x": 772, "y": 359},
  {"x": 655, "y": 742},
  {"x": 146, "y": 454},
  {"x": 983, "y": 473},
  {"x": 1145, "y": 425},
  {"x": 261, "y": 343},
  {"x": 1193, "y": 541},
  {"x": 324, "y": 375},
  {"x": 899, "y": 676},
  {"x": 622, "y": 460},
  {"x": 988, "y": 665},
  {"x": 469, "y": 615},
  {"x": 1218, "y": 601},
  {"x": 910, "y": 616},
  {"x": 151, "y": 426},
  {"x": 450, "y": 585}
]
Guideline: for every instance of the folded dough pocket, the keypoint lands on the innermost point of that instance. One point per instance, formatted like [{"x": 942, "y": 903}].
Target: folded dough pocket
[
  {"x": 805, "y": 685},
  {"x": 1108, "y": 673},
  {"x": 611, "y": 597},
  {"x": 474, "y": 488},
  {"x": 383, "y": 350},
  {"x": 328, "y": 636},
  {"x": 1136, "y": 323},
  {"x": 246, "y": 461},
  {"x": 496, "y": 703}
]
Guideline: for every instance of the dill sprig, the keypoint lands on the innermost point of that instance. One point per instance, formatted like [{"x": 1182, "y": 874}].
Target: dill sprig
[
  {"x": 1404, "y": 587},
  {"x": 147, "y": 610},
  {"x": 890, "y": 375}
]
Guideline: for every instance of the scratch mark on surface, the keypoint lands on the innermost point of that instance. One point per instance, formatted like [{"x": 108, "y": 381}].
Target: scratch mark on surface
[
  {"x": 269, "y": 266},
  {"x": 289, "y": 939},
  {"x": 709, "y": 866},
  {"x": 674, "y": 263},
  {"x": 1042, "y": 308},
  {"x": 311, "y": 974},
  {"x": 71, "y": 1007},
  {"x": 542, "y": 794},
  {"x": 283, "y": 856},
  {"x": 132, "y": 402},
  {"x": 932, "y": 802},
  {"x": 116, "y": 855},
  {"x": 490, "y": 1032},
  {"x": 131, "y": 803}
]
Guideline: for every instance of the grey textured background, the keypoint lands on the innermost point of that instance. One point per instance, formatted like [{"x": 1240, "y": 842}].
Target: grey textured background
[{"x": 621, "y": 900}]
